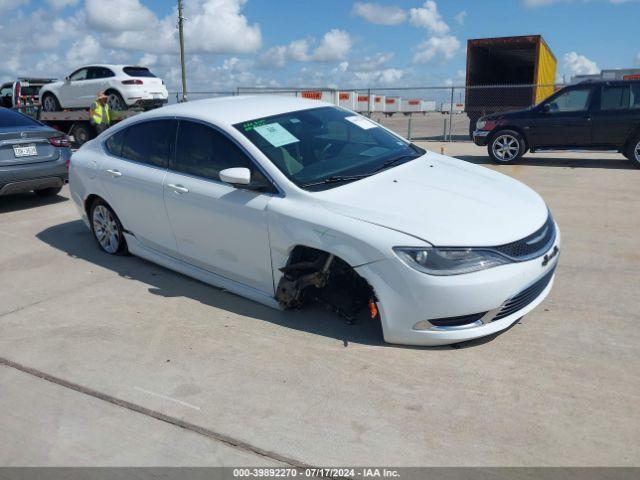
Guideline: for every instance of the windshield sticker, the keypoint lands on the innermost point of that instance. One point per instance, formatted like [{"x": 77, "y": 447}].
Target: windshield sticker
[
  {"x": 361, "y": 122},
  {"x": 374, "y": 151},
  {"x": 276, "y": 134},
  {"x": 248, "y": 126}
]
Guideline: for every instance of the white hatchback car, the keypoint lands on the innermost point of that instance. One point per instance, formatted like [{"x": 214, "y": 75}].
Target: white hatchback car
[
  {"x": 289, "y": 202},
  {"x": 125, "y": 86}
]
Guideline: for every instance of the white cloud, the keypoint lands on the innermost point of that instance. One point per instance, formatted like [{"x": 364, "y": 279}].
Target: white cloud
[
  {"x": 212, "y": 26},
  {"x": 370, "y": 64},
  {"x": 428, "y": 17},
  {"x": 460, "y": 17},
  {"x": 277, "y": 57},
  {"x": 6, "y": 5},
  {"x": 379, "y": 14},
  {"x": 58, "y": 4},
  {"x": 388, "y": 76},
  {"x": 544, "y": 3},
  {"x": 83, "y": 51},
  {"x": 444, "y": 47},
  {"x": 334, "y": 46},
  {"x": 579, "y": 64},
  {"x": 118, "y": 15}
]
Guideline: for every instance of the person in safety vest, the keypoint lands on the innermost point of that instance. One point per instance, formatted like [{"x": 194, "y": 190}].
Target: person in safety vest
[{"x": 100, "y": 114}]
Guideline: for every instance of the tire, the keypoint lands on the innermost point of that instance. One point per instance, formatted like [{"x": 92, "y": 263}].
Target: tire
[
  {"x": 506, "y": 146},
  {"x": 48, "y": 192},
  {"x": 107, "y": 229},
  {"x": 115, "y": 101},
  {"x": 633, "y": 151},
  {"x": 82, "y": 133},
  {"x": 50, "y": 103}
]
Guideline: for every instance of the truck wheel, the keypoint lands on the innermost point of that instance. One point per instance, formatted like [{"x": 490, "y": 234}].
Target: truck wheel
[
  {"x": 50, "y": 103},
  {"x": 115, "y": 101},
  {"x": 633, "y": 151},
  {"x": 506, "y": 146},
  {"x": 82, "y": 133}
]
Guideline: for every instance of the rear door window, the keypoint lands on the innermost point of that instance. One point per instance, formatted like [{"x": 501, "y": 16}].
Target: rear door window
[
  {"x": 635, "y": 95},
  {"x": 150, "y": 142},
  {"x": 615, "y": 97}
]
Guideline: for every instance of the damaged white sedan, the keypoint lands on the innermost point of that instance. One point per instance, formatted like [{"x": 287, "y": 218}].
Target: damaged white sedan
[{"x": 291, "y": 202}]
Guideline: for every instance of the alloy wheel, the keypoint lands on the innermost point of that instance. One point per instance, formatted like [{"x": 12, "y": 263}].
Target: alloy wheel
[
  {"x": 506, "y": 148},
  {"x": 106, "y": 230},
  {"x": 636, "y": 152},
  {"x": 114, "y": 102},
  {"x": 49, "y": 104}
]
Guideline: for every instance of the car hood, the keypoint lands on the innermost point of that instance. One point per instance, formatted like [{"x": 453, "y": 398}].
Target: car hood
[{"x": 443, "y": 201}]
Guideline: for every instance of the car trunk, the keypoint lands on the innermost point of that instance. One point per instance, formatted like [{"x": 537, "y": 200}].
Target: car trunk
[{"x": 24, "y": 145}]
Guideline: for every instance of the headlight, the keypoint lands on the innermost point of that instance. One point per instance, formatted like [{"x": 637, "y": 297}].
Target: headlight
[
  {"x": 480, "y": 124},
  {"x": 449, "y": 261}
]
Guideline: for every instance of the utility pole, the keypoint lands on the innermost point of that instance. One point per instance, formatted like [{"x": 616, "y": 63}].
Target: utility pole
[{"x": 181, "y": 32}]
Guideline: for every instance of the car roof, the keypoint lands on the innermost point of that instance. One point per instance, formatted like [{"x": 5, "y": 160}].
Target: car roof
[
  {"x": 110, "y": 65},
  {"x": 235, "y": 109}
]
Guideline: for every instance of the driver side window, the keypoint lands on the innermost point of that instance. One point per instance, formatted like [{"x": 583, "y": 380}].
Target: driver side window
[
  {"x": 576, "y": 100},
  {"x": 78, "y": 75}
]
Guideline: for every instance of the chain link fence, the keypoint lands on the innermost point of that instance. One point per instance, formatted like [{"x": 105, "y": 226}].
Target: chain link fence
[{"x": 446, "y": 113}]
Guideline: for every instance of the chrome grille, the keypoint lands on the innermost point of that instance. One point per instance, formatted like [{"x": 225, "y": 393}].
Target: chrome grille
[
  {"x": 525, "y": 297},
  {"x": 533, "y": 245}
]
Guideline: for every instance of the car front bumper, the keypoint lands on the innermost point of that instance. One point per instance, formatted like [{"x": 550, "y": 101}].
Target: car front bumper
[
  {"x": 35, "y": 176},
  {"x": 496, "y": 297},
  {"x": 481, "y": 137}
]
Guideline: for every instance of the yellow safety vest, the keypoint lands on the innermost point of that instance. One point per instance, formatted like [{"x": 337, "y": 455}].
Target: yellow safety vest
[{"x": 101, "y": 114}]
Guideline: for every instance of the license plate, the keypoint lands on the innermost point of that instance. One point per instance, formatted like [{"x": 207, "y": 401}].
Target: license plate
[
  {"x": 156, "y": 96},
  {"x": 25, "y": 151}
]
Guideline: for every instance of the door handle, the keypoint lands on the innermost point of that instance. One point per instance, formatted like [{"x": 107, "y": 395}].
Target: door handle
[
  {"x": 178, "y": 188},
  {"x": 114, "y": 173}
]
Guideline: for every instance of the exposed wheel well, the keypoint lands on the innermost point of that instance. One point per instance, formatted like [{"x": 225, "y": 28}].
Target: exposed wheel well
[
  {"x": 88, "y": 203},
  {"x": 317, "y": 276}
]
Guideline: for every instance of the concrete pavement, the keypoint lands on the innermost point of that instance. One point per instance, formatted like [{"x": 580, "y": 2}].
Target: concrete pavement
[{"x": 559, "y": 388}]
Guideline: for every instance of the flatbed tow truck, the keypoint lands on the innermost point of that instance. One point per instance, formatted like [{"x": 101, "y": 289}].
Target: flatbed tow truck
[{"x": 76, "y": 123}]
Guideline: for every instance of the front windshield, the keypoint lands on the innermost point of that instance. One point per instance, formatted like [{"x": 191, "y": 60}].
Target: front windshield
[{"x": 328, "y": 146}]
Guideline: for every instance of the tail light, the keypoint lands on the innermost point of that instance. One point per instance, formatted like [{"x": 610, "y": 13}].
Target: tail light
[
  {"x": 62, "y": 141},
  {"x": 132, "y": 82}
]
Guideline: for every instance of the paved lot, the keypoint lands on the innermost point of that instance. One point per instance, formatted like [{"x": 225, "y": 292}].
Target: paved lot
[{"x": 143, "y": 366}]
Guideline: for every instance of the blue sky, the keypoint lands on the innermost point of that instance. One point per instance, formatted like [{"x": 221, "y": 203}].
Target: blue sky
[{"x": 308, "y": 42}]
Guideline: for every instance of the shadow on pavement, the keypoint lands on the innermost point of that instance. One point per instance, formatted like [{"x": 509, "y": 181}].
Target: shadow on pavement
[
  {"x": 613, "y": 164},
  {"x": 26, "y": 201},
  {"x": 74, "y": 239}
]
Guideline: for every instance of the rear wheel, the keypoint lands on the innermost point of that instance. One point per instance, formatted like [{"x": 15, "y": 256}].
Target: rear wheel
[
  {"x": 115, "y": 101},
  {"x": 48, "y": 192},
  {"x": 50, "y": 103},
  {"x": 506, "y": 146},
  {"x": 107, "y": 229},
  {"x": 633, "y": 151},
  {"x": 82, "y": 133}
]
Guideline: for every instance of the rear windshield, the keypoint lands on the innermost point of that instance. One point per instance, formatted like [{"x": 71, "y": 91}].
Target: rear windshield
[
  {"x": 9, "y": 118},
  {"x": 138, "y": 72}
]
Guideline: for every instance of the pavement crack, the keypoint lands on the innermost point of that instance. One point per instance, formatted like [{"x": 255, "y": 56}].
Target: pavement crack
[{"x": 230, "y": 441}]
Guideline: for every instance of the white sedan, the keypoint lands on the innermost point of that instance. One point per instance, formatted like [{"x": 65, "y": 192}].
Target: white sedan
[
  {"x": 125, "y": 86},
  {"x": 291, "y": 202}
]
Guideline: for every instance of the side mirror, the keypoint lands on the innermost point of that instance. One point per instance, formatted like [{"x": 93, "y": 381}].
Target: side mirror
[
  {"x": 546, "y": 108},
  {"x": 236, "y": 176},
  {"x": 67, "y": 79}
]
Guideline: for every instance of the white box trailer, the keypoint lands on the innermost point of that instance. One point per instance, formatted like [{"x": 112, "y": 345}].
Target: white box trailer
[
  {"x": 457, "y": 107},
  {"x": 323, "y": 95},
  {"x": 392, "y": 105},
  {"x": 378, "y": 103},
  {"x": 348, "y": 100},
  {"x": 363, "y": 104},
  {"x": 429, "y": 105},
  {"x": 412, "y": 105}
]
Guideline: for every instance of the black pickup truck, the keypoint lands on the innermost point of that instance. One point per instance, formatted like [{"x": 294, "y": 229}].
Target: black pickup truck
[{"x": 592, "y": 115}]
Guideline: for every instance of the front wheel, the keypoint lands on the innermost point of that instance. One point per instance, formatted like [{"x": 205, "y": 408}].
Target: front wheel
[
  {"x": 506, "y": 146},
  {"x": 633, "y": 151},
  {"x": 107, "y": 229}
]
